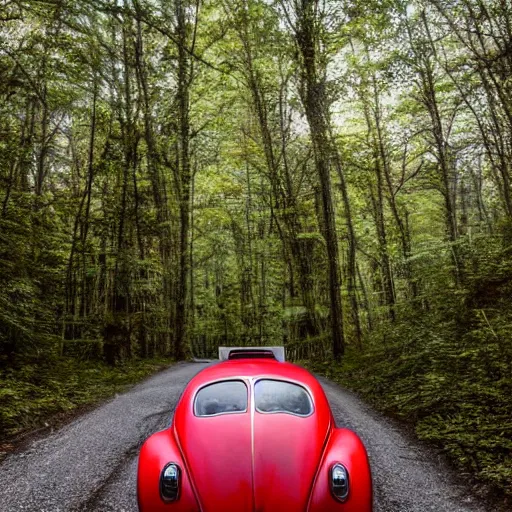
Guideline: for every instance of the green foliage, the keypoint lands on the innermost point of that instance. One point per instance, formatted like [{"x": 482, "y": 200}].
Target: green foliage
[{"x": 447, "y": 370}]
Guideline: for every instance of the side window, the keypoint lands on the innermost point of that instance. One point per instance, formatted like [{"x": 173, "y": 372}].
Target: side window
[
  {"x": 221, "y": 398},
  {"x": 279, "y": 396}
]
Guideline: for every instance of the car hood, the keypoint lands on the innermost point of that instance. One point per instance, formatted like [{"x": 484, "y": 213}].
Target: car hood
[{"x": 252, "y": 461}]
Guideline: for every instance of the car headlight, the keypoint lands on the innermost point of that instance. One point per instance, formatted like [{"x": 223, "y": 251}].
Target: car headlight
[
  {"x": 170, "y": 482},
  {"x": 339, "y": 482}
]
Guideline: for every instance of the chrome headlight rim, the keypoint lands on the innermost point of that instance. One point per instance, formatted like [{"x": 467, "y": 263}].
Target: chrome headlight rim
[
  {"x": 170, "y": 482},
  {"x": 341, "y": 489}
]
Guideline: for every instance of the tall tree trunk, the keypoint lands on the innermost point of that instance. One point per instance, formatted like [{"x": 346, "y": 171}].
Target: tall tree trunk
[
  {"x": 424, "y": 65},
  {"x": 381, "y": 142},
  {"x": 352, "y": 246},
  {"x": 315, "y": 105},
  {"x": 181, "y": 340}
]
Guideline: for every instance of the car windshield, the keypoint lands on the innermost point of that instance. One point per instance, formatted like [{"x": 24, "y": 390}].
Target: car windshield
[
  {"x": 280, "y": 396},
  {"x": 221, "y": 398}
]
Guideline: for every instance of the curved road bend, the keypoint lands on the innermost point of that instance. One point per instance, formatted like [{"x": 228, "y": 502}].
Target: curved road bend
[{"x": 90, "y": 464}]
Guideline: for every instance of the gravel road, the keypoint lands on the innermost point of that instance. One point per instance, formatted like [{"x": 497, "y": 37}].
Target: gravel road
[{"x": 90, "y": 464}]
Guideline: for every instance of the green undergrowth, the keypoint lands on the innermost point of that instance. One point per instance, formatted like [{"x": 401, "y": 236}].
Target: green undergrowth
[
  {"x": 445, "y": 367},
  {"x": 455, "y": 389},
  {"x": 34, "y": 394}
]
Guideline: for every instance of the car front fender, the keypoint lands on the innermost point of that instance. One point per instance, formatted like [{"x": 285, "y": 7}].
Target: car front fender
[
  {"x": 345, "y": 447},
  {"x": 159, "y": 450}
]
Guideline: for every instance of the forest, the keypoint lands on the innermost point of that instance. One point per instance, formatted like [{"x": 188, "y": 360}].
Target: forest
[{"x": 333, "y": 176}]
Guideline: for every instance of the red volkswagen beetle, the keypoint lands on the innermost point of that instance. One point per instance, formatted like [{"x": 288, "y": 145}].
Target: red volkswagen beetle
[{"x": 254, "y": 434}]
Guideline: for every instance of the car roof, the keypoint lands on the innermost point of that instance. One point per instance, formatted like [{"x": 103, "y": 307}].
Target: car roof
[{"x": 257, "y": 368}]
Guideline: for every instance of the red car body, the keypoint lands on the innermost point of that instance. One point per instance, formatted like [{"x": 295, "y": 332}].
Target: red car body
[{"x": 254, "y": 460}]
